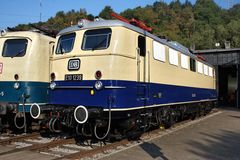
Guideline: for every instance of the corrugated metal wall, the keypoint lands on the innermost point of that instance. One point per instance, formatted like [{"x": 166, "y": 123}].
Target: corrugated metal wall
[{"x": 222, "y": 58}]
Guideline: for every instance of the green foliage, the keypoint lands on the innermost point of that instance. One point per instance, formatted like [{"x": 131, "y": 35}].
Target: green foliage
[
  {"x": 233, "y": 32},
  {"x": 63, "y": 20},
  {"x": 198, "y": 26},
  {"x": 60, "y": 20},
  {"x": 106, "y": 13}
]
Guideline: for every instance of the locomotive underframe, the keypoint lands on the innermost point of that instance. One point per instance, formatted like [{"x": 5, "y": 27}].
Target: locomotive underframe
[
  {"x": 7, "y": 107},
  {"x": 123, "y": 124},
  {"x": 21, "y": 120}
]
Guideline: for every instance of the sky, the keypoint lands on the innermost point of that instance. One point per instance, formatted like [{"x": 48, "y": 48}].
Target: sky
[{"x": 14, "y": 12}]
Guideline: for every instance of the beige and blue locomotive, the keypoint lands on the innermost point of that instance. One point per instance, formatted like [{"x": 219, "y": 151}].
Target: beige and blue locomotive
[
  {"x": 118, "y": 79},
  {"x": 24, "y": 74}
]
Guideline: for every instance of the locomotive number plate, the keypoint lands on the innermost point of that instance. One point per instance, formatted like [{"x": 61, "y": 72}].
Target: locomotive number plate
[{"x": 73, "y": 77}]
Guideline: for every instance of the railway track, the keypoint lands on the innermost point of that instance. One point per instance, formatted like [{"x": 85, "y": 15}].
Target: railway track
[
  {"x": 67, "y": 149},
  {"x": 41, "y": 146},
  {"x": 17, "y": 138},
  {"x": 103, "y": 151}
]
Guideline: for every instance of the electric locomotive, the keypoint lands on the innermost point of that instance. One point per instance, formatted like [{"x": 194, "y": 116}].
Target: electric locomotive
[
  {"x": 117, "y": 79},
  {"x": 24, "y": 75}
]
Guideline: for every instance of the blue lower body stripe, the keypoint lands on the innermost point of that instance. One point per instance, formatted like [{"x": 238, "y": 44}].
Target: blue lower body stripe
[
  {"x": 35, "y": 92},
  {"x": 125, "y": 94}
]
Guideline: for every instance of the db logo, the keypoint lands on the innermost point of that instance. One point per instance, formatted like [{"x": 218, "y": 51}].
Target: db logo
[
  {"x": 73, "y": 64},
  {"x": 1, "y": 67}
]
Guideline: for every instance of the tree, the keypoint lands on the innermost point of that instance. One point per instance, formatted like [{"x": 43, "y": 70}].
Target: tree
[
  {"x": 207, "y": 11},
  {"x": 201, "y": 24},
  {"x": 233, "y": 33},
  {"x": 106, "y": 13}
]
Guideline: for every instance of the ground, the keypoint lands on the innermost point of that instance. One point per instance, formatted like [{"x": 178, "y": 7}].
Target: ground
[{"x": 214, "y": 138}]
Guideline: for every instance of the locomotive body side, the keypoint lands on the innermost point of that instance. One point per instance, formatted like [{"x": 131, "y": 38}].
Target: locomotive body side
[{"x": 174, "y": 84}]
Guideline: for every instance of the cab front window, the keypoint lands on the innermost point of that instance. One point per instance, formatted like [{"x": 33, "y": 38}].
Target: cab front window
[
  {"x": 65, "y": 43},
  {"x": 96, "y": 39},
  {"x": 15, "y": 48}
]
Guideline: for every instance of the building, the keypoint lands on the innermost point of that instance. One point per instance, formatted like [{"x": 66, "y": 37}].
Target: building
[{"x": 227, "y": 65}]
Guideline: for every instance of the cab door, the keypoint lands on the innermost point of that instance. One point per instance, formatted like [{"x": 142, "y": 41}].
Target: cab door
[{"x": 142, "y": 70}]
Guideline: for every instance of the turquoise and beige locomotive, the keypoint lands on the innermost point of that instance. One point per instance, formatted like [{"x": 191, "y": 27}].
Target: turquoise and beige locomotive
[
  {"x": 111, "y": 78},
  {"x": 24, "y": 74}
]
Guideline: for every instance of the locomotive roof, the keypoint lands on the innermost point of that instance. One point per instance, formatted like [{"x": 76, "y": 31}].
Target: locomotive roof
[
  {"x": 115, "y": 23},
  {"x": 28, "y": 34}
]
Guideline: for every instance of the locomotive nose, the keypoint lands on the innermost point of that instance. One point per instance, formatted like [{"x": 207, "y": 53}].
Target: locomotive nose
[
  {"x": 81, "y": 114},
  {"x": 35, "y": 111}
]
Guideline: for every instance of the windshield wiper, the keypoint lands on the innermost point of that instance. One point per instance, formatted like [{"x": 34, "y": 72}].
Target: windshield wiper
[
  {"x": 98, "y": 45},
  {"x": 19, "y": 52},
  {"x": 61, "y": 49}
]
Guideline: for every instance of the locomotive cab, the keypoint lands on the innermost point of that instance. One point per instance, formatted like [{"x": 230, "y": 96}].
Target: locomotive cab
[
  {"x": 24, "y": 73},
  {"x": 93, "y": 60}
]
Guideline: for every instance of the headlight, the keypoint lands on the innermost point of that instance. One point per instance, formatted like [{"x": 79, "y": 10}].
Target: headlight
[
  {"x": 16, "y": 85},
  {"x": 52, "y": 85},
  {"x": 98, "y": 85}
]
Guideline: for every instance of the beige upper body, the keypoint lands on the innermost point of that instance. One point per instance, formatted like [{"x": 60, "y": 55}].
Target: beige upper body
[
  {"x": 121, "y": 61},
  {"x": 35, "y": 64}
]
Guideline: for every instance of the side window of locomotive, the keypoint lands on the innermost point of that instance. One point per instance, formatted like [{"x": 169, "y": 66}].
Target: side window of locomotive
[
  {"x": 159, "y": 51},
  {"x": 14, "y": 48},
  {"x": 192, "y": 64},
  {"x": 65, "y": 43},
  {"x": 142, "y": 45},
  {"x": 96, "y": 39},
  {"x": 173, "y": 57},
  {"x": 210, "y": 69}
]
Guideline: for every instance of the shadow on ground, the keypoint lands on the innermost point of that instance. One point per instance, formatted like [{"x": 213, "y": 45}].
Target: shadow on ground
[
  {"x": 153, "y": 150},
  {"x": 234, "y": 116},
  {"x": 228, "y": 108},
  {"x": 223, "y": 146}
]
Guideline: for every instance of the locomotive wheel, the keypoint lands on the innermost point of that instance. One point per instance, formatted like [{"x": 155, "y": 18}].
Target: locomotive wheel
[
  {"x": 169, "y": 119},
  {"x": 1, "y": 125},
  {"x": 195, "y": 114},
  {"x": 84, "y": 130}
]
